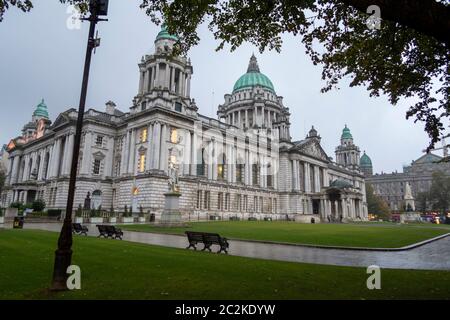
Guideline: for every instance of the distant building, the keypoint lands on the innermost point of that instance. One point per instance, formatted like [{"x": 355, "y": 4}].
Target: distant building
[{"x": 393, "y": 186}]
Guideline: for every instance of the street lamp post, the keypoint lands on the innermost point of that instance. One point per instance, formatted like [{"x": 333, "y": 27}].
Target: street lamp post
[{"x": 63, "y": 255}]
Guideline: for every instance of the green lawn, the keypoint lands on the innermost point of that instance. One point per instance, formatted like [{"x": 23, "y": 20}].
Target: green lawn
[
  {"x": 368, "y": 236},
  {"x": 113, "y": 269}
]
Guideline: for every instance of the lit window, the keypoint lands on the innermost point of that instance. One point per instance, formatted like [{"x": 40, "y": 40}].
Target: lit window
[
  {"x": 141, "y": 163},
  {"x": 174, "y": 135},
  {"x": 220, "y": 171},
  {"x": 144, "y": 135}
]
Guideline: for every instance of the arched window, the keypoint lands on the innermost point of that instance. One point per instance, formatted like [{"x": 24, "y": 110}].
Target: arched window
[
  {"x": 269, "y": 176},
  {"x": 96, "y": 199}
]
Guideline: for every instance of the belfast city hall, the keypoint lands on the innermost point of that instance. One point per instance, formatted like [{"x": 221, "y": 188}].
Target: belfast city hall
[{"x": 244, "y": 163}]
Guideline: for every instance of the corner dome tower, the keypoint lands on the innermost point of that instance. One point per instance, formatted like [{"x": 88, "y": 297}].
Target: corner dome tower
[
  {"x": 366, "y": 165},
  {"x": 253, "y": 78},
  {"x": 41, "y": 111}
]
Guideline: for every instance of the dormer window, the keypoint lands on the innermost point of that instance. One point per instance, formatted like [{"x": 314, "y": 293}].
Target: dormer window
[
  {"x": 144, "y": 106},
  {"x": 178, "y": 107}
]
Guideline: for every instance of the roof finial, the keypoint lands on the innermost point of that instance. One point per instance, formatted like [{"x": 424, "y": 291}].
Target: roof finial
[{"x": 253, "y": 64}]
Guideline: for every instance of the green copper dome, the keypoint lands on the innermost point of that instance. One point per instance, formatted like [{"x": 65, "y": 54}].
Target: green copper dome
[
  {"x": 164, "y": 34},
  {"x": 41, "y": 110},
  {"x": 365, "y": 161},
  {"x": 253, "y": 78},
  {"x": 346, "y": 133}
]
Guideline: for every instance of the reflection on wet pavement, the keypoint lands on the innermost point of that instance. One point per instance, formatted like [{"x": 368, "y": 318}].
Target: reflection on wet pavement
[{"x": 432, "y": 256}]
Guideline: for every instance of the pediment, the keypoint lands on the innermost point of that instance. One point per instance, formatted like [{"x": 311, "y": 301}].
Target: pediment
[
  {"x": 61, "y": 120},
  {"x": 98, "y": 155},
  {"x": 312, "y": 148}
]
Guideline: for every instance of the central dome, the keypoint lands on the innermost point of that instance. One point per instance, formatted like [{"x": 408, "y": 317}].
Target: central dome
[{"x": 253, "y": 78}]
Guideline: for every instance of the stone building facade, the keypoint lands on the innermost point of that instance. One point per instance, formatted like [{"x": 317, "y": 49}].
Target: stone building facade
[
  {"x": 419, "y": 175},
  {"x": 243, "y": 163}
]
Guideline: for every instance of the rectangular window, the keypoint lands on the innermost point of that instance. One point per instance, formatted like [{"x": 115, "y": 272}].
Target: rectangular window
[
  {"x": 238, "y": 202},
  {"x": 227, "y": 201},
  {"x": 144, "y": 106},
  {"x": 220, "y": 201},
  {"x": 199, "y": 199},
  {"x": 99, "y": 141},
  {"x": 97, "y": 164},
  {"x": 240, "y": 173},
  {"x": 220, "y": 172},
  {"x": 245, "y": 209},
  {"x": 255, "y": 204},
  {"x": 178, "y": 107},
  {"x": 174, "y": 135},
  {"x": 261, "y": 204},
  {"x": 255, "y": 173},
  {"x": 144, "y": 135},
  {"x": 207, "y": 202}
]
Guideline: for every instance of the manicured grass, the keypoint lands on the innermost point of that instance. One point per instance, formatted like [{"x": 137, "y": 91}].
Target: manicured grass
[
  {"x": 353, "y": 235},
  {"x": 113, "y": 269}
]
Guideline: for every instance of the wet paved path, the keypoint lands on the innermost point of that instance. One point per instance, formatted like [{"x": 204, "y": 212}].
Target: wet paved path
[{"x": 432, "y": 256}]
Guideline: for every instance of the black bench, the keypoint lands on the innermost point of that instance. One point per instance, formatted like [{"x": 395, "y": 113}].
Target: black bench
[
  {"x": 107, "y": 231},
  {"x": 208, "y": 239},
  {"x": 79, "y": 229}
]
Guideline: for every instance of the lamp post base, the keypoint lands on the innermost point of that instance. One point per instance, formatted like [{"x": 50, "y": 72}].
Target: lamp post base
[{"x": 63, "y": 260}]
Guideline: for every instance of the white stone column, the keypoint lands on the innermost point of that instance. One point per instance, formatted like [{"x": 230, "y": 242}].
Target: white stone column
[
  {"x": 15, "y": 170},
  {"x": 183, "y": 84},
  {"x": 148, "y": 156},
  {"x": 188, "y": 88},
  {"x": 157, "y": 80},
  {"x": 124, "y": 155},
  {"x": 317, "y": 179},
  {"x": 215, "y": 160},
  {"x": 172, "y": 84},
  {"x": 142, "y": 81},
  {"x": 210, "y": 160},
  {"x": 246, "y": 118},
  {"x": 194, "y": 150},
  {"x": 233, "y": 163},
  {"x": 187, "y": 153},
  {"x": 41, "y": 164},
  {"x": 156, "y": 145},
  {"x": 344, "y": 208},
  {"x": 163, "y": 148},
  {"x": 87, "y": 154},
  {"x": 306, "y": 176},
  {"x": 70, "y": 153},
  {"x": 167, "y": 77},
  {"x": 229, "y": 162},
  {"x": 109, "y": 160},
  {"x": 132, "y": 157}
]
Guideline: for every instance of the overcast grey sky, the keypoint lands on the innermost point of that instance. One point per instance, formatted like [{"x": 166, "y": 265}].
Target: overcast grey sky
[{"x": 41, "y": 58}]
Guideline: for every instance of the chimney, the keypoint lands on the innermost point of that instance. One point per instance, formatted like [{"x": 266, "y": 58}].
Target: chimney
[{"x": 110, "y": 107}]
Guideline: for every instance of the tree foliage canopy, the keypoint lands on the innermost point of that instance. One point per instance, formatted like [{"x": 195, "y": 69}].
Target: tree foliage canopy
[
  {"x": 407, "y": 57},
  {"x": 376, "y": 205},
  {"x": 440, "y": 192}
]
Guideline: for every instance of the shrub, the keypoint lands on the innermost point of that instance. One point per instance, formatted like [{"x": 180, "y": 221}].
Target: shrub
[
  {"x": 54, "y": 212},
  {"x": 38, "y": 205},
  {"x": 17, "y": 205}
]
